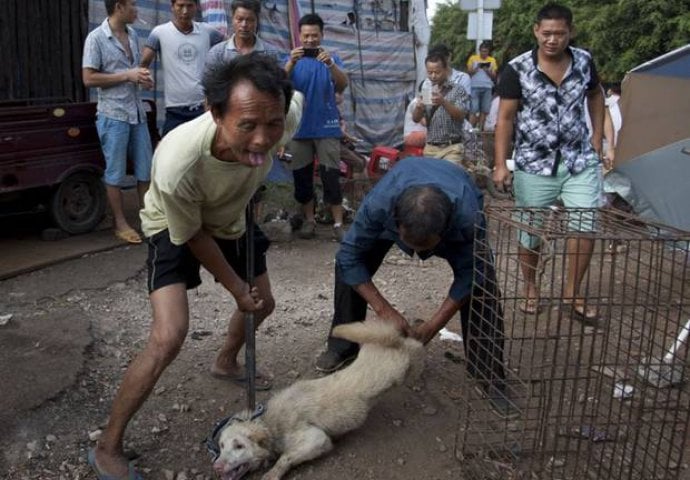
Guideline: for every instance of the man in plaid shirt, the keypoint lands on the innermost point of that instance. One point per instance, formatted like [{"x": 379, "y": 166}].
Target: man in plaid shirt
[{"x": 445, "y": 114}]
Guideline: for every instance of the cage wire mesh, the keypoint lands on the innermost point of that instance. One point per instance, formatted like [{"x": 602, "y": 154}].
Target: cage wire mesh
[{"x": 598, "y": 398}]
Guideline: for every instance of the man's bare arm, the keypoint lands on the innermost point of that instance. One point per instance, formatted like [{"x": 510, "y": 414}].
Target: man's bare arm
[
  {"x": 418, "y": 111},
  {"x": 455, "y": 112},
  {"x": 505, "y": 125},
  {"x": 148, "y": 55},
  {"x": 381, "y": 306},
  {"x": 93, "y": 78},
  {"x": 428, "y": 330},
  {"x": 595, "y": 105},
  {"x": 206, "y": 250},
  {"x": 610, "y": 136},
  {"x": 339, "y": 77}
]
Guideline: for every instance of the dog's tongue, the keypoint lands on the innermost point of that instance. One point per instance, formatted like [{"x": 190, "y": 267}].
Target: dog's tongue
[
  {"x": 257, "y": 159},
  {"x": 233, "y": 475},
  {"x": 236, "y": 473}
]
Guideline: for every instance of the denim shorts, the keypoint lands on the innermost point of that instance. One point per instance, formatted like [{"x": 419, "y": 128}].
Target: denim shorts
[
  {"x": 119, "y": 141},
  {"x": 578, "y": 191},
  {"x": 481, "y": 99}
]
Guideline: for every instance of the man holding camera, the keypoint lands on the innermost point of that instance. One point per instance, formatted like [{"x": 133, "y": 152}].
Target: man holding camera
[
  {"x": 318, "y": 75},
  {"x": 443, "y": 110}
]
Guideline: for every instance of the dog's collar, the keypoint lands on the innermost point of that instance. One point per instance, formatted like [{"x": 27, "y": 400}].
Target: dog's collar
[{"x": 211, "y": 441}]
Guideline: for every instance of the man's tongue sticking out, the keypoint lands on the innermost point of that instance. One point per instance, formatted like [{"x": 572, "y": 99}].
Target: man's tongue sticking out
[{"x": 257, "y": 159}]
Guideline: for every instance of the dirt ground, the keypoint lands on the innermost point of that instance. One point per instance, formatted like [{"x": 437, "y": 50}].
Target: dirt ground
[
  {"x": 90, "y": 316},
  {"x": 68, "y": 331}
]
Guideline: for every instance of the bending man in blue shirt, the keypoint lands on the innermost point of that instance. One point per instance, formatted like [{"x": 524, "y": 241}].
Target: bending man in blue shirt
[{"x": 428, "y": 207}]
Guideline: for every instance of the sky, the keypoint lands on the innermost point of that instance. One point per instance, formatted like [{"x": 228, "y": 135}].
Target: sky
[{"x": 431, "y": 8}]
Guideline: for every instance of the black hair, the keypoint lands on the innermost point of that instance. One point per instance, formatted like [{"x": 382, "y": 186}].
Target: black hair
[
  {"x": 172, "y": 2},
  {"x": 555, "y": 11},
  {"x": 423, "y": 211},
  {"x": 311, "y": 19},
  {"x": 436, "y": 56},
  {"x": 262, "y": 70},
  {"x": 110, "y": 5},
  {"x": 486, "y": 44},
  {"x": 441, "y": 48},
  {"x": 252, "y": 5}
]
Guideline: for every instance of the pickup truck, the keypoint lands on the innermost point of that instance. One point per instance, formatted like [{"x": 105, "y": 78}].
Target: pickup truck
[{"x": 51, "y": 159}]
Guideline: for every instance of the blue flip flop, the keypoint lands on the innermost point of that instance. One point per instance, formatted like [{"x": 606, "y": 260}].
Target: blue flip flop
[{"x": 132, "y": 473}]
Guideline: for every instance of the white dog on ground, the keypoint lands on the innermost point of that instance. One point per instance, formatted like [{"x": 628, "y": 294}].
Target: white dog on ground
[{"x": 299, "y": 421}]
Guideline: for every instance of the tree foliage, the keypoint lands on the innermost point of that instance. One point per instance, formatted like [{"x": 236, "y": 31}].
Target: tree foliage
[
  {"x": 450, "y": 27},
  {"x": 620, "y": 33}
]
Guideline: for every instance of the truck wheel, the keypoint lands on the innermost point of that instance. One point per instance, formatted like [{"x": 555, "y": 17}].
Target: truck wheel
[{"x": 78, "y": 204}]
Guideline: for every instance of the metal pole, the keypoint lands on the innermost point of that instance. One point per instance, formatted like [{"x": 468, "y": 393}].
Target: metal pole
[
  {"x": 355, "y": 7},
  {"x": 249, "y": 334},
  {"x": 480, "y": 24}
]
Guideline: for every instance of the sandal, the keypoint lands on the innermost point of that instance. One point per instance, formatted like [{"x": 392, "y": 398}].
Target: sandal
[
  {"x": 529, "y": 306},
  {"x": 261, "y": 381},
  {"x": 583, "y": 313},
  {"x": 132, "y": 473},
  {"x": 129, "y": 236}
]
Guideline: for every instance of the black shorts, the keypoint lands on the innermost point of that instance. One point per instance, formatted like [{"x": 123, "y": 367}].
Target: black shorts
[
  {"x": 304, "y": 184},
  {"x": 168, "y": 263}
]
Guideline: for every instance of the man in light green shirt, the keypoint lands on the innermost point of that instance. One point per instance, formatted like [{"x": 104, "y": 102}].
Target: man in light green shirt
[{"x": 204, "y": 174}]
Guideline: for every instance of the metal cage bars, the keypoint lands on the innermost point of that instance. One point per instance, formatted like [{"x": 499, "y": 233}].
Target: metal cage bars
[{"x": 596, "y": 399}]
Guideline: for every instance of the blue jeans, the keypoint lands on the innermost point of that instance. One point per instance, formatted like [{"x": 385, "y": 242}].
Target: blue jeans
[
  {"x": 481, "y": 99},
  {"x": 120, "y": 140}
]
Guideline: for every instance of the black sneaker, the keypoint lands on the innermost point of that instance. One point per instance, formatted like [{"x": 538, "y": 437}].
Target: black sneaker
[
  {"x": 329, "y": 362},
  {"x": 307, "y": 230},
  {"x": 499, "y": 400}
]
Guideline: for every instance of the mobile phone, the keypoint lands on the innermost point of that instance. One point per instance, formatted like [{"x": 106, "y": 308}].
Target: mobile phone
[
  {"x": 484, "y": 65},
  {"x": 311, "y": 52}
]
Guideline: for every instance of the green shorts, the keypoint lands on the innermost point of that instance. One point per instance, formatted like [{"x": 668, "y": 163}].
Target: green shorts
[{"x": 583, "y": 190}]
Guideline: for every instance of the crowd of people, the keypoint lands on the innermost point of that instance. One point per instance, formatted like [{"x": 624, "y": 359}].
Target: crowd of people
[{"x": 231, "y": 104}]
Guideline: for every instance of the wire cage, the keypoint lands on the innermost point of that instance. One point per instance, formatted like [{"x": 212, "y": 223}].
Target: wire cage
[
  {"x": 600, "y": 397},
  {"x": 479, "y": 161}
]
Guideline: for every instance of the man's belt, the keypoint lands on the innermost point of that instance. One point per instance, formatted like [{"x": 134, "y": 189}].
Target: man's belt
[
  {"x": 446, "y": 143},
  {"x": 191, "y": 108}
]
